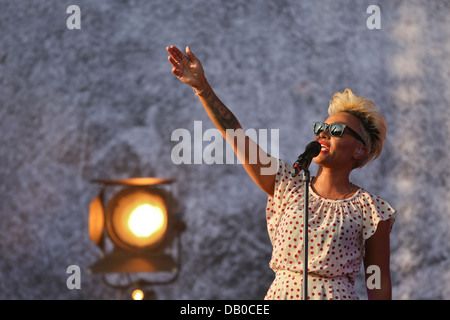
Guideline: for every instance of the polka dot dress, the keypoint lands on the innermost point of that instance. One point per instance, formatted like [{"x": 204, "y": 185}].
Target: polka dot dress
[{"x": 337, "y": 231}]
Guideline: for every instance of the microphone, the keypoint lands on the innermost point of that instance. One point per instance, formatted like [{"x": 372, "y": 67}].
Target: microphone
[{"x": 304, "y": 160}]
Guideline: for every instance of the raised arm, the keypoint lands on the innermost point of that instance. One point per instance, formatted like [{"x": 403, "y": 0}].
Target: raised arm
[{"x": 189, "y": 70}]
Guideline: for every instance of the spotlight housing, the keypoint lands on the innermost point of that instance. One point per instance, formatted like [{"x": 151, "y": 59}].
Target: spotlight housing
[
  {"x": 141, "y": 222},
  {"x": 137, "y": 219}
]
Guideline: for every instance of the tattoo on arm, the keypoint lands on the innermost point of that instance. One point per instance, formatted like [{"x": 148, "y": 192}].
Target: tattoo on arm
[{"x": 220, "y": 112}]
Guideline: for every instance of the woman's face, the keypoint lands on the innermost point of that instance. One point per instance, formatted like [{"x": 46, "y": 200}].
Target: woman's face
[{"x": 340, "y": 152}]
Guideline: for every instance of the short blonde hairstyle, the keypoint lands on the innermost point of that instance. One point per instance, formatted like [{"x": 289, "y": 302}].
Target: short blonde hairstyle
[{"x": 373, "y": 126}]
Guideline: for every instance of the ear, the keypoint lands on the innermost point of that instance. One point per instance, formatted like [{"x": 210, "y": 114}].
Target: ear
[{"x": 360, "y": 153}]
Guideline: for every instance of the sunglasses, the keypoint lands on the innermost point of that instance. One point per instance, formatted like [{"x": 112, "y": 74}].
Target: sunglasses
[{"x": 335, "y": 129}]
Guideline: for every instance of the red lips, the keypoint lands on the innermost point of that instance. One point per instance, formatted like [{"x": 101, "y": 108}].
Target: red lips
[{"x": 325, "y": 146}]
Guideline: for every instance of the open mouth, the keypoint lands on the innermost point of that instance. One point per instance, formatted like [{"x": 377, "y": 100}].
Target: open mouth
[{"x": 325, "y": 147}]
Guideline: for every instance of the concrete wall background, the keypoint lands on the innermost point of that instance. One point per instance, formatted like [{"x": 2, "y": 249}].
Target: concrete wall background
[{"x": 101, "y": 102}]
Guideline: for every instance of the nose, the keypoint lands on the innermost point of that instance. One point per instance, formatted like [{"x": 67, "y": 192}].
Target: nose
[{"x": 324, "y": 134}]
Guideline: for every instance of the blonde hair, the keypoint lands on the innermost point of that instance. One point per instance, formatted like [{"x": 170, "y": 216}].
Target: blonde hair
[{"x": 373, "y": 126}]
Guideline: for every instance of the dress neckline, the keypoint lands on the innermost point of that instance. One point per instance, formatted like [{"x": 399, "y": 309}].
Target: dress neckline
[{"x": 317, "y": 196}]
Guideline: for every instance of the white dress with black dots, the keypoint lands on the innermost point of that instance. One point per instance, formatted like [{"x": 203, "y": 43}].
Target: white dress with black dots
[{"x": 337, "y": 231}]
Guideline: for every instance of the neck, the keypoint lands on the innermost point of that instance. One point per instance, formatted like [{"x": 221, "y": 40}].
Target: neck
[{"x": 333, "y": 183}]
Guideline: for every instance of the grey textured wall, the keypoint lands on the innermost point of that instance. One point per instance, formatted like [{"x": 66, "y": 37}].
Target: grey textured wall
[{"x": 101, "y": 102}]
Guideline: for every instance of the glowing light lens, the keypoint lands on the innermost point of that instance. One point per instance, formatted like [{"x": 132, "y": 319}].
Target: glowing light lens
[
  {"x": 145, "y": 220},
  {"x": 137, "y": 219},
  {"x": 137, "y": 294}
]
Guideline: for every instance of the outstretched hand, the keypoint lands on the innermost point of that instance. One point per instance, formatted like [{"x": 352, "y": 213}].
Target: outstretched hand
[{"x": 187, "y": 67}]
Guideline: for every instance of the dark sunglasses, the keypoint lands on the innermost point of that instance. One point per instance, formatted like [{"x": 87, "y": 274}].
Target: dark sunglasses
[{"x": 335, "y": 129}]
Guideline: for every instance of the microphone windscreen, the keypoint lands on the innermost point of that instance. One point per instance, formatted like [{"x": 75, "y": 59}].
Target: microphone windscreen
[{"x": 313, "y": 149}]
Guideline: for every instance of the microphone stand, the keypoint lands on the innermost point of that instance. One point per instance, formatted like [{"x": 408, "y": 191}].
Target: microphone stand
[{"x": 306, "y": 180}]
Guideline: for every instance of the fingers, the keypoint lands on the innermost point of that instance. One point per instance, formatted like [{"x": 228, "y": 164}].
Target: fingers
[
  {"x": 179, "y": 60},
  {"x": 173, "y": 61},
  {"x": 175, "y": 53},
  {"x": 176, "y": 67},
  {"x": 177, "y": 72},
  {"x": 189, "y": 53}
]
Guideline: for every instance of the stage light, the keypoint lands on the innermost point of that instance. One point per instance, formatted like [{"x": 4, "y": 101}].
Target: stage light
[
  {"x": 137, "y": 219},
  {"x": 146, "y": 220},
  {"x": 137, "y": 294},
  {"x": 133, "y": 228}
]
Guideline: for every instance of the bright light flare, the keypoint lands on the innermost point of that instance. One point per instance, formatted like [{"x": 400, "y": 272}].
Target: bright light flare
[
  {"x": 137, "y": 294},
  {"x": 137, "y": 219},
  {"x": 145, "y": 220}
]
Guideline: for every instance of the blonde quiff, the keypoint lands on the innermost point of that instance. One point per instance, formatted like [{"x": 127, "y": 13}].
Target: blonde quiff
[{"x": 373, "y": 126}]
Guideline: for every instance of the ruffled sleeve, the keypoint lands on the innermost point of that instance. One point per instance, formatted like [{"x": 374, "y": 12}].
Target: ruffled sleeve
[
  {"x": 276, "y": 203},
  {"x": 375, "y": 210}
]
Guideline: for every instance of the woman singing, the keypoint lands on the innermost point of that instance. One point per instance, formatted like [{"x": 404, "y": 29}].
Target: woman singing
[{"x": 347, "y": 224}]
